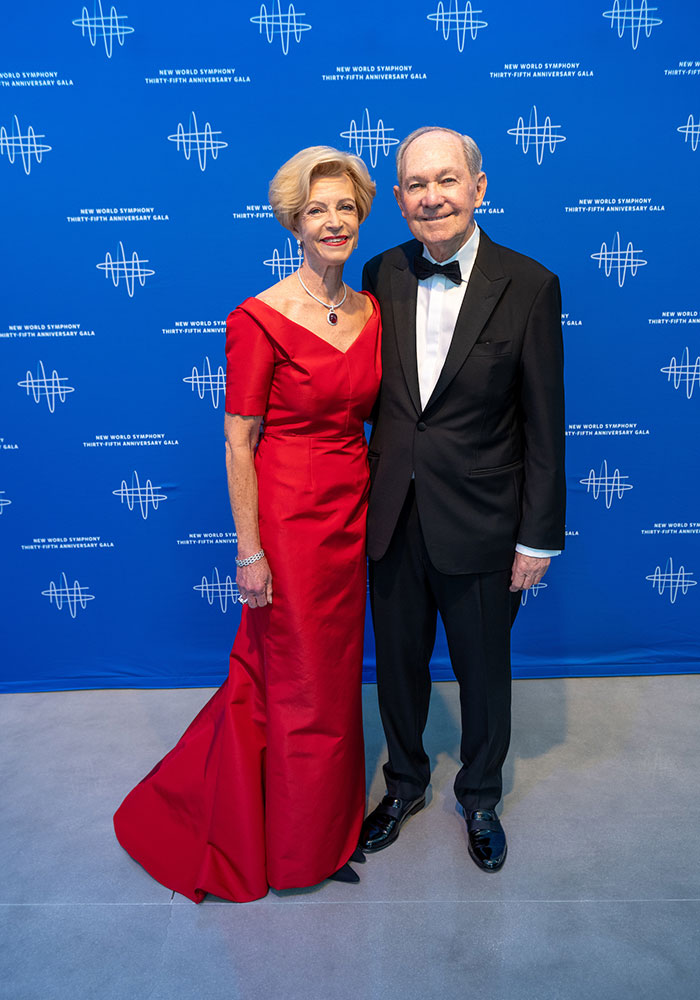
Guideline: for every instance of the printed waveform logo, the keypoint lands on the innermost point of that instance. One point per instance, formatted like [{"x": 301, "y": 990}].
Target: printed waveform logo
[
  {"x": 691, "y": 131},
  {"x": 207, "y": 381},
  {"x": 145, "y": 496},
  {"x": 219, "y": 590},
  {"x": 24, "y": 143},
  {"x": 48, "y": 387},
  {"x": 672, "y": 580},
  {"x": 203, "y": 141},
  {"x": 533, "y": 590},
  {"x": 3, "y": 502},
  {"x": 73, "y": 596},
  {"x": 610, "y": 486},
  {"x": 372, "y": 138},
  {"x": 540, "y": 136},
  {"x": 284, "y": 263},
  {"x": 459, "y": 21},
  {"x": 684, "y": 372},
  {"x": 286, "y": 25},
  {"x": 632, "y": 17},
  {"x": 130, "y": 270},
  {"x": 107, "y": 28},
  {"x": 619, "y": 260}
]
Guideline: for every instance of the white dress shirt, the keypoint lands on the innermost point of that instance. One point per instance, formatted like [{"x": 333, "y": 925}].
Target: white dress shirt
[{"x": 437, "y": 307}]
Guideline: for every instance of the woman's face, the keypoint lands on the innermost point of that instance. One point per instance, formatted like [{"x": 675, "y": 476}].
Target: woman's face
[{"x": 328, "y": 224}]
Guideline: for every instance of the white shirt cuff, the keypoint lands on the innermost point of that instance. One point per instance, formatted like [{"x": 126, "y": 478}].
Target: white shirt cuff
[{"x": 537, "y": 553}]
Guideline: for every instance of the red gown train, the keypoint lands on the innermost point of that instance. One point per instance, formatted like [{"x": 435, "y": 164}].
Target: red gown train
[{"x": 266, "y": 786}]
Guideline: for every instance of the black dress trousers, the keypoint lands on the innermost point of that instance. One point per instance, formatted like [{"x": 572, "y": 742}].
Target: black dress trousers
[{"x": 477, "y": 611}]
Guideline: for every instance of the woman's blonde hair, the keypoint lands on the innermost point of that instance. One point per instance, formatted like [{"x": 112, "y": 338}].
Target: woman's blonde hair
[{"x": 289, "y": 188}]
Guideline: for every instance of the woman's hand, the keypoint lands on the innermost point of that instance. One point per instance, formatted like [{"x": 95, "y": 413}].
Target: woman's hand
[{"x": 255, "y": 584}]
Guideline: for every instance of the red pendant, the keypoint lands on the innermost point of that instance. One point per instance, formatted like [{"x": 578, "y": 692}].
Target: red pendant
[{"x": 332, "y": 318}]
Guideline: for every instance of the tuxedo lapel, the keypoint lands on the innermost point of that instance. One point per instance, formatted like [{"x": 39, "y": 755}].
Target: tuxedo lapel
[
  {"x": 404, "y": 292},
  {"x": 487, "y": 283}
]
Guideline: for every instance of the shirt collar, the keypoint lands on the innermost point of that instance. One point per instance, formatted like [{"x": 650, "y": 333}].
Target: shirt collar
[{"x": 466, "y": 254}]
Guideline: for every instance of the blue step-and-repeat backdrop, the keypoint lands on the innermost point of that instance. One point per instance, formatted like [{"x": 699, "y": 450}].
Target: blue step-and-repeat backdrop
[{"x": 137, "y": 140}]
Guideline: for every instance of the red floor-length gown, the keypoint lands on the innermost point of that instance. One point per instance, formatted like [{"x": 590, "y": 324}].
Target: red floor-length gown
[{"x": 266, "y": 786}]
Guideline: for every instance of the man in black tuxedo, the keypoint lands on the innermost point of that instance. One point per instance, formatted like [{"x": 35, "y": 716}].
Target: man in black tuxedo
[{"x": 467, "y": 467}]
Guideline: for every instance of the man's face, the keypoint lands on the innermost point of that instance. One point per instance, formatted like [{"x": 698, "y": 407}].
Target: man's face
[{"x": 437, "y": 195}]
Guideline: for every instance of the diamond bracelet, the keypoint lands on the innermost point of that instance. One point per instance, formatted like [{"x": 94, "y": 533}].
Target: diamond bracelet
[{"x": 250, "y": 559}]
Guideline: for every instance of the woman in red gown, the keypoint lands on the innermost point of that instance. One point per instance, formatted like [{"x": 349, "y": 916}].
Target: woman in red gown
[{"x": 266, "y": 786}]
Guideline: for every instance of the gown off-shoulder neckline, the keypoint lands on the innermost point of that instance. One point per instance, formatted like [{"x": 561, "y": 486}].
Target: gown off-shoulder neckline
[{"x": 254, "y": 298}]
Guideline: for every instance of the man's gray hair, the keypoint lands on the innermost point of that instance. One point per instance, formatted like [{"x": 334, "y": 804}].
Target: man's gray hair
[{"x": 472, "y": 153}]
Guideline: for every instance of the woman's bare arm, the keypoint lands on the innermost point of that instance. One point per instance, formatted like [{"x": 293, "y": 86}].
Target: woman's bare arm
[{"x": 242, "y": 433}]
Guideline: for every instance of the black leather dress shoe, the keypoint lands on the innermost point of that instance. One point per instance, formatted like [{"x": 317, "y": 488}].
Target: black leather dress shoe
[
  {"x": 487, "y": 839},
  {"x": 384, "y": 823}
]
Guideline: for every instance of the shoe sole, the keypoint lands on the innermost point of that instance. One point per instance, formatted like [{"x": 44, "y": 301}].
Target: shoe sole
[{"x": 395, "y": 836}]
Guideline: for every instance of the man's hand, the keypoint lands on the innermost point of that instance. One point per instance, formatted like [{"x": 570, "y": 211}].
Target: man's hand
[{"x": 527, "y": 570}]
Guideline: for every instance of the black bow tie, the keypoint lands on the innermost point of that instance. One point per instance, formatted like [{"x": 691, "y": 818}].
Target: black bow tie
[{"x": 426, "y": 269}]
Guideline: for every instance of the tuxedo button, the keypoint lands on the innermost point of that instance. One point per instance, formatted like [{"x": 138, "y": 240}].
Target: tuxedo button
[{"x": 421, "y": 426}]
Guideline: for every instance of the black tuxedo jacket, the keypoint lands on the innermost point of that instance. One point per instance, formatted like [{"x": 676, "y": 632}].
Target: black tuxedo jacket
[{"x": 488, "y": 448}]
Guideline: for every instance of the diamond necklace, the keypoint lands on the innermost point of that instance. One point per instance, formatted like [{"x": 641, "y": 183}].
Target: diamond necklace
[{"x": 332, "y": 316}]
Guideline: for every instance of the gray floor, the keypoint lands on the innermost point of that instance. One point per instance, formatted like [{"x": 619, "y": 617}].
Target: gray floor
[{"x": 599, "y": 898}]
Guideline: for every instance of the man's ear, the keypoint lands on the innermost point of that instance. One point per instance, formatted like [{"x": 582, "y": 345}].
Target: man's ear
[{"x": 481, "y": 183}]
